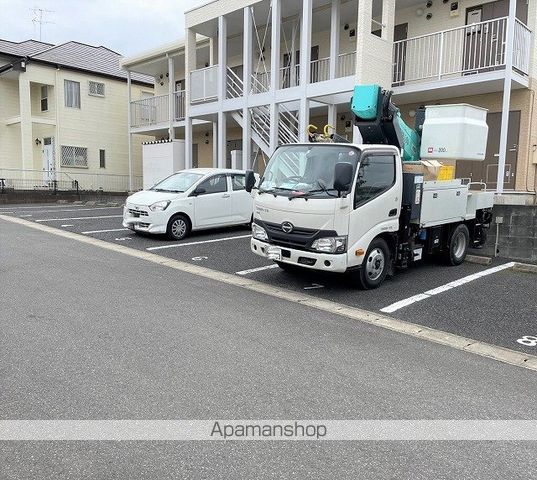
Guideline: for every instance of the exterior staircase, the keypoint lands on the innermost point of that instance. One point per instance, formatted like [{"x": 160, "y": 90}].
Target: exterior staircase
[{"x": 260, "y": 116}]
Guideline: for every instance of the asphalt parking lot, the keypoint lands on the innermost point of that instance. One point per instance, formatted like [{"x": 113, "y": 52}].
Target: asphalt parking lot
[{"x": 495, "y": 306}]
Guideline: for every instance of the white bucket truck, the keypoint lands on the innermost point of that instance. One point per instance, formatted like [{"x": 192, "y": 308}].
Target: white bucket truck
[{"x": 341, "y": 207}]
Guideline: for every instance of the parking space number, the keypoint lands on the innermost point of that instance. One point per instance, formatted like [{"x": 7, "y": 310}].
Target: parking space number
[{"x": 528, "y": 341}]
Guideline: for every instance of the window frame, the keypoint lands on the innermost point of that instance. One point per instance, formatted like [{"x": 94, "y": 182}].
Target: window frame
[
  {"x": 62, "y": 164},
  {"x": 102, "y": 158},
  {"x": 243, "y": 176},
  {"x": 65, "y": 83},
  {"x": 44, "y": 88},
  {"x": 210, "y": 178},
  {"x": 96, "y": 94},
  {"x": 366, "y": 156}
]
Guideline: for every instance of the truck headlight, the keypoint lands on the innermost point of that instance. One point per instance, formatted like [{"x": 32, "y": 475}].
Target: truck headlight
[
  {"x": 259, "y": 233},
  {"x": 330, "y": 244},
  {"x": 159, "y": 206}
]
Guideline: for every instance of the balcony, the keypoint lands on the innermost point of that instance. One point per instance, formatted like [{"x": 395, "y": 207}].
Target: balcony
[
  {"x": 466, "y": 51},
  {"x": 155, "y": 111},
  {"x": 204, "y": 84}
]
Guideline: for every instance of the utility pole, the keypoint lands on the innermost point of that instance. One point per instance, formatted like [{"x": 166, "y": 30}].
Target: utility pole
[{"x": 38, "y": 19}]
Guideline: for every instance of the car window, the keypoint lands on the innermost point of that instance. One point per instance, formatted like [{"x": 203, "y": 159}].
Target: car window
[
  {"x": 216, "y": 184},
  {"x": 375, "y": 176},
  {"x": 238, "y": 182}
]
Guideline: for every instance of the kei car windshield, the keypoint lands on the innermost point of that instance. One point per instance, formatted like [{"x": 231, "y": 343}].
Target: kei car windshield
[
  {"x": 178, "y": 182},
  {"x": 306, "y": 169}
]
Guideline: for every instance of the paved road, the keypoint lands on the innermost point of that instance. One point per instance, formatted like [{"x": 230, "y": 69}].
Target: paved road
[
  {"x": 498, "y": 309},
  {"x": 88, "y": 333}
]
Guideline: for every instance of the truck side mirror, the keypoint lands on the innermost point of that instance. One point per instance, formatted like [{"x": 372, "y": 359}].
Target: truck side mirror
[
  {"x": 343, "y": 176},
  {"x": 249, "y": 180}
]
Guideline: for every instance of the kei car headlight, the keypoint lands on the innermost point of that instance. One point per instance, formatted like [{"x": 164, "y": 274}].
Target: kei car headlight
[
  {"x": 330, "y": 244},
  {"x": 159, "y": 206},
  {"x": 259, "y": 233}
]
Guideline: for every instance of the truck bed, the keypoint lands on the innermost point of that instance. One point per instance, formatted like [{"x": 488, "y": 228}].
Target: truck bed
[{"x": 450, "y": 201}]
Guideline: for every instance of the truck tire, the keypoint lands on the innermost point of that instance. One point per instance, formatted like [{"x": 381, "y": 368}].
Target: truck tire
[
  {"x": 179, "y": 227},
  {"x": 375, "y": 266},
  {"x": 458, "y": 245}
]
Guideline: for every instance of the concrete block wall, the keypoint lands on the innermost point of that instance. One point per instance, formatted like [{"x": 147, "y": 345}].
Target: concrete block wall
[{"x": 517, "y": 238}]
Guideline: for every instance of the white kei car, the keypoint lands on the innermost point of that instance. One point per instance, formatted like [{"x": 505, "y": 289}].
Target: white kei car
[{"x": 195, "y": 199}]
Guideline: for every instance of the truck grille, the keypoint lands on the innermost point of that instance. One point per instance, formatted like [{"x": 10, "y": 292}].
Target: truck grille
[{"x": 299, "y": 238}]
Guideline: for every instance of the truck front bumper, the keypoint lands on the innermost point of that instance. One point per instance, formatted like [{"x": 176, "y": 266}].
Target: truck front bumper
[{"x": 302, "y": 258}]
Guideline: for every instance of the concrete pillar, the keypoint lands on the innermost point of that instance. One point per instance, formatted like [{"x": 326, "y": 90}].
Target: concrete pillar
[
  {"x": 188, "y": 142},
  {"x": 506, "y": 104},
  {"x": 171, "y": 97},
  {"x": 305, "y": 68},
  {"x": 190, "y": 64},
  {"x": 374, "y": 54},
  {"x": 222, "y": 57},
  {"x": 332, "y": 115},
  {"x": 215, "y": 144},
  {"x": 274, "y": 122},
  {"x": 303, "y": 119},
  {"x": 275, "y": 46},
  {"x": 129, "y": 122},
  {"x": 213, "y": 52},
  {"x": 305, "y": 43},
  {"x": 247, "y": 86},
  {"x": 334, "y": 38},
  {"x": 222, "y": 139},
  {"x": 27, "y": 142}
]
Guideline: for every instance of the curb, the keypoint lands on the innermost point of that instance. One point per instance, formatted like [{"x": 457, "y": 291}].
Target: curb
[
  {"x": 479, "y": 259},
  {"x": 525, "y": 267}
]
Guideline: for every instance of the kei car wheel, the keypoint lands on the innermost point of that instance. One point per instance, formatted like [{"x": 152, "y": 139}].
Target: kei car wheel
[{"x": 178, "y": 227}]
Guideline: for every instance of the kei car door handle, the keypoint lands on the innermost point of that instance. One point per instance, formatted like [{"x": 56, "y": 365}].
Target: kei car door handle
[
  {"x": 226, "y": 195},
  {"x": 392, "y": 213}
]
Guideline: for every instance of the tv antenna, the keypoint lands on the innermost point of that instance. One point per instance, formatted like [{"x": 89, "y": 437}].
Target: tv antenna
[{"x": 38, "y": 19}]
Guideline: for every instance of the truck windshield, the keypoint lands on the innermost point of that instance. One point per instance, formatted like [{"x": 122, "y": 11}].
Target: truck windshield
[
  {"x": 177, "y": 183},
  {"x": 307, "y": 170}
]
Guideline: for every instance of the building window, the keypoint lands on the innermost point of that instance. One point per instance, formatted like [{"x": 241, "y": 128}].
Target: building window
[
  {"x": 72, "y": 94},
  {"x": 96, "y": 89},
  {"x": 102, "y": 159},
  {"x": 44, "y": 98},
  {"x": 74, "y": 156}
]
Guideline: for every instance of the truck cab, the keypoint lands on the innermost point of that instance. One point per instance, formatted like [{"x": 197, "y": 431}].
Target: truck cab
[{"x": 343, "y": 207}]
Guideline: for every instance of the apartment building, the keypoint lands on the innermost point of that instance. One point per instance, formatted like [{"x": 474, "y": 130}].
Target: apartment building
[
  {"x": 63, "y": 117},
  {"x": 251, "y": 75}
]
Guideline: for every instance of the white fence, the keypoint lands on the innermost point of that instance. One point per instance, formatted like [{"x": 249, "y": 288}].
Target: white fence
[
  {"x": 52, "y": 180},
  {"x": 475, "y": 48},
  {"x": 346, "y": 65},
  {"x": 204, "y": 84}
]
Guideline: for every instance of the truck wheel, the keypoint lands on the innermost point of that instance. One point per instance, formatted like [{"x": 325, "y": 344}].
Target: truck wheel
[
  {"x": 458, "y": 245},
  {"x": 375, "y": 265},
  {"x": 178, "y": 227}
]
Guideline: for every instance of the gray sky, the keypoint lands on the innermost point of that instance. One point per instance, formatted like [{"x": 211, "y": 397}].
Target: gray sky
[{"x": 126, "y": 26}]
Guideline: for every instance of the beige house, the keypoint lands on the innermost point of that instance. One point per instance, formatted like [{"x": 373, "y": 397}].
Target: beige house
[
  {"x": 252, "y": 74},
  {"x": 63, "y": 117}
]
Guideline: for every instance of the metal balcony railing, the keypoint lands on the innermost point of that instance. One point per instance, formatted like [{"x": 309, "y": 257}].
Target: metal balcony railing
[
  {"x": 155, "y": 110},
  {"x": 204, "y": 84},
  {"x": 346, "y": 66},
  {"x": 476, "y": 48}
]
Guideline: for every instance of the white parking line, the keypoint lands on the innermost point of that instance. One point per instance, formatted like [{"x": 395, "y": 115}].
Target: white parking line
[
  {"x": 105, "y": 231},
  {"x": 197, "y": 243},
  {"x": 258, "y": 269},
  {"x": 75, "y": 210},
  {"x": 77, "y": 218},
  {"x": 444, "y": 288}
]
